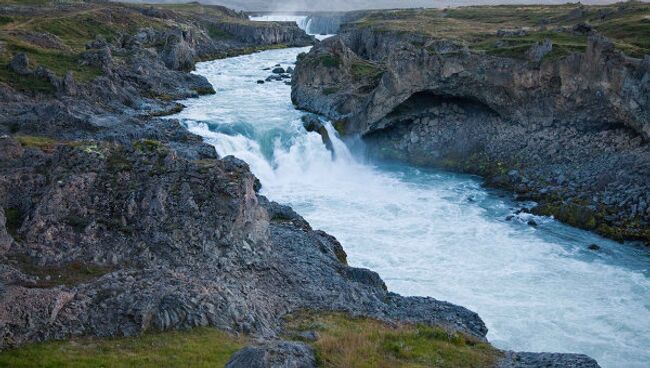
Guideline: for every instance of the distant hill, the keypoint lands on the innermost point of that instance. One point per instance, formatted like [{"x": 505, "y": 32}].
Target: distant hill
[{"x": 346, "y": 5}]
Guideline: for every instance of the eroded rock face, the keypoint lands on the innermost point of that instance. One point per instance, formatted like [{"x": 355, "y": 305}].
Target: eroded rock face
[
  {"x": 575, "y": 129},
  {"x": 172, "y": 243}
]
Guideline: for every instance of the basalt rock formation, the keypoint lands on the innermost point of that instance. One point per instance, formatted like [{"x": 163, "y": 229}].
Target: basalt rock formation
[
  {"x": 564, "y": 123},
  {"x": 109, "y": 239}
]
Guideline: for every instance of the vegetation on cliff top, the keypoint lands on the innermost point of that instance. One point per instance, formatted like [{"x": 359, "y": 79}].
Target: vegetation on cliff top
[
  {"x": 365, "y": 342},
  {"x": 200, "y": 347},
  {"x": 54, "y": 34},
  {"x": 343, "y": 342},
  {"x": 510, "y": 30}
]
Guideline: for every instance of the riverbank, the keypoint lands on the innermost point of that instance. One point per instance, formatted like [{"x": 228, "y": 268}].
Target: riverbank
[{"x": 555, "y": 111}]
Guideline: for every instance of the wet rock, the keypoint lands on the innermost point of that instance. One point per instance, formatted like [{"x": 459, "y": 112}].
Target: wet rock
[
  {"x": 260, "y": 81},
  {"x": 594, "y": 247},
  {"x": 582, "y": 28},
  {"x": 279, "y": 70},
  {"x": 313, "y": 124},
  {"x": 547, "y": 360},
  {"x": 532, "y": 223}
]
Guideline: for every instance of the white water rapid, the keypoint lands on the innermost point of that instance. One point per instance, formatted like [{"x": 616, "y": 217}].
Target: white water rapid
[{"x": 433, "y": 233}]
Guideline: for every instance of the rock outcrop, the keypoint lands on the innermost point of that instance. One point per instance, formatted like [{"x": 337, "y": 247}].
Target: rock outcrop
[
  {"x": 570, "y": 132},
  {"x": 112, "y": 240}
]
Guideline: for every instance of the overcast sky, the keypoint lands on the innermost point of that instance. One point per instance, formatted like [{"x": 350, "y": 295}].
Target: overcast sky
[{"x": 340, "y": 5}]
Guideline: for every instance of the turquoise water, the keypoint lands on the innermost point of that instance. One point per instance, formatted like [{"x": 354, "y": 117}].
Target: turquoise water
[{"x": 434, "y": 233}]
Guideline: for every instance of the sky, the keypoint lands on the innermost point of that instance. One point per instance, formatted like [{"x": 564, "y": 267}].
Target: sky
[{"x": 346, "y": 5}]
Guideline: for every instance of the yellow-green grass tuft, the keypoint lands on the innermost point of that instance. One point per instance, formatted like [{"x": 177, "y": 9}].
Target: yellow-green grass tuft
[
  {"x": 199, "y": 347},
  {"x": 347, "y": 342}
]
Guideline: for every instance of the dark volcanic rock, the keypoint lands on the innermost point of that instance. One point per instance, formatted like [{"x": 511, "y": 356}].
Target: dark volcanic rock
[
  {"x": 313, "y": 124},
  {"x": 20, "y": 64},
  {"x": 275, "y": 355},
  {"x": 181, "y": 244}
]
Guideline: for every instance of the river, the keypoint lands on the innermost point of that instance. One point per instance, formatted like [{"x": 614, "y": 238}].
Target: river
[{"x": 433, "y": 233}]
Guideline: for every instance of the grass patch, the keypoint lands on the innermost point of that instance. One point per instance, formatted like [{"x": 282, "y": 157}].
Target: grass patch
[
  {"x": 118, "y": 162},
  {"x": 58, "y": 61},
  {"x": 70, "y": 274},
  {"x": 199, "y": 347},
  {"x": 217, "y": 33},
  {"x": 347, "y": 342},
  {"x": 148, "y": 145},
  {"x": 42, "y": 143},
  {"x": 362, "y": 69},
  {"x": 330, "y": 61},
  {"x": 626, "y": 24},
  {"x": 564, "y": 43},
  {"x": 5, "y": 20}
]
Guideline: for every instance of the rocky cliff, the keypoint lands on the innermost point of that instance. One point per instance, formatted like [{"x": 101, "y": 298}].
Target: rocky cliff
[{"x": 556, "y": 108}]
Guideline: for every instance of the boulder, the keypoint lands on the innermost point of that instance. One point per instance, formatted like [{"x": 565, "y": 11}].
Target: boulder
[
  {"x": 539, "y": 50},
  {"x": 274, "y": 355},
  {"x": 313, "y": 124},
  {"x": 20, "y": 64}
]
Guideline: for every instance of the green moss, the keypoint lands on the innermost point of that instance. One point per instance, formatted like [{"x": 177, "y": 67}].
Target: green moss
[
  {"x": 362, "y": 69},
  {"x": 171, "y": 111},
  {"x": 24, "y": 83},
  {"x": 148, "y": 145},
  {"x": 70, "y": 274},
  {"x": 199, "y": 347},
  {"x": 330, "y": 90},
  {"x": 216, "y": 33},
  {"x": 574, "y": 214},
  {"x": 340, "y": 127},
  {"x": 330, "y": 61},
  {"x": 14, "y": 219},
  {"x": 517, "y": 47},
  {"x": 363, "y": 342},
  {"x": 117, "y": 161},
  {"x": 5, "y": 20},
  {"x": 58, "y": 61}
]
